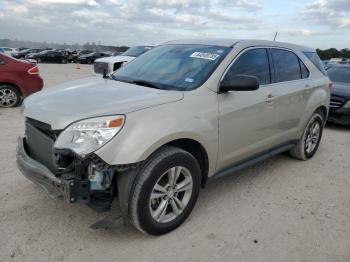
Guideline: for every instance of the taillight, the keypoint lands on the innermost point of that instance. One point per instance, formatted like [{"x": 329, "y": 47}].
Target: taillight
[
  {"x": 34, "y": 70},
  {"x": 330, "y": 84}
]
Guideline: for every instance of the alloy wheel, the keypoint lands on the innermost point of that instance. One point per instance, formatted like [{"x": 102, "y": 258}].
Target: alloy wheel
[
  {"x": 8, "y": 97},
  {"x": 312, "y": 137},
  {"x": 171, "y": 194}
]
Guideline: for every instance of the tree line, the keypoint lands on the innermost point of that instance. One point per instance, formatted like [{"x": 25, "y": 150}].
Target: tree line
[{"x": 333, "y": 53}]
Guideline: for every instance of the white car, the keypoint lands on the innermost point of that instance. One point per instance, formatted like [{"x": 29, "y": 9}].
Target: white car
[
  {"x": 110, "y": 64},
  {"x": 9, "y": 50}
]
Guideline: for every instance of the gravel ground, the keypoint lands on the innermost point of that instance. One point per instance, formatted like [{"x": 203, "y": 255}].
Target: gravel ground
[{"x": 279, "y": 210}]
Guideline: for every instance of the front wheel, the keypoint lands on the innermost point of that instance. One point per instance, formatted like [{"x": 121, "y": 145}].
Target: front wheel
[
  {"x": 165, "y": 191},
  {"x": 310, "y": 141}
]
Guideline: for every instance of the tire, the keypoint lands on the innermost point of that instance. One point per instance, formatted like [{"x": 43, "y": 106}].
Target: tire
[
  {"x": 303, "y": 150},
  {"x": 9, "y": 96},
  {"x": 143, "y": 211}
]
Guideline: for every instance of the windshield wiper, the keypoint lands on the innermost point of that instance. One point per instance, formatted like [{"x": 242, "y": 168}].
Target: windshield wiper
[{"x": 146, "y": 83}]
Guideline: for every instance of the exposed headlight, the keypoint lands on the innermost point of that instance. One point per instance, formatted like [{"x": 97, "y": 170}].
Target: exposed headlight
[
  {"x": 88, "y": 135},
  {"x": 347, "y": 104}
]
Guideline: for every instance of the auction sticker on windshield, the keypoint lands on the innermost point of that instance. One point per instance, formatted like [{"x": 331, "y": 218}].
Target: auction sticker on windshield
[{"x": 208, "y": 56}]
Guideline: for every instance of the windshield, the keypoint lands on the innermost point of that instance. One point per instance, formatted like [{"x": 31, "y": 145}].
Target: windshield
[
  {"x": 136, "y": 51},
  {"x": 339, "y": 74},
  {"x": 173, "y": 67}
]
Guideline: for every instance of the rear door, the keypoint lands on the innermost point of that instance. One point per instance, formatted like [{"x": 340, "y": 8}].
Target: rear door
[
  {"x": 247, "y": 122},
  {"x": 290, "y": 81}
]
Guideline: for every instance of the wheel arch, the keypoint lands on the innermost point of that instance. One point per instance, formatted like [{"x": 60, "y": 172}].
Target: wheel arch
[
  {"x": 13, "y": 85},
  {"x": 197, "y": 150},
  {"x": 323, "y": 110}
]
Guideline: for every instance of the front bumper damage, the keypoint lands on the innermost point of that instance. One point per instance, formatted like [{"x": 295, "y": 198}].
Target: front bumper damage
[
  {"x": 74, "y": 184},
  {"x": 65, "y": 187}
]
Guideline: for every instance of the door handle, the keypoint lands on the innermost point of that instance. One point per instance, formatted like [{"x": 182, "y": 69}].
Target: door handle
[{"x": 270, "y": 98}]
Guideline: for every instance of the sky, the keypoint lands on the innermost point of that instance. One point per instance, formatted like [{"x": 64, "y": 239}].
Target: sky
[{"x": 315, "y": 23}]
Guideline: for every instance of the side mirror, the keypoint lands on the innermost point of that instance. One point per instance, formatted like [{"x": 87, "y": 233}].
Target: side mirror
[{"x": 239, "y": 83}]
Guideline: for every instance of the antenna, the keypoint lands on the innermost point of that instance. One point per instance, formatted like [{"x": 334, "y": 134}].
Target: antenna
[{"x": 276, "y": 34}]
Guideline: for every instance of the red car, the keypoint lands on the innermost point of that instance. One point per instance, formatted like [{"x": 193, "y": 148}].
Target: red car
[{"x": 18, "y": 79}]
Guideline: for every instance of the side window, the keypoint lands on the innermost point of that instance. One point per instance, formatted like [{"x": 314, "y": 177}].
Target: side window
[
  {"x": 253, "y": 62},
  {"x": 303, "y": 69},
  {"x": 287, "y": 65}
]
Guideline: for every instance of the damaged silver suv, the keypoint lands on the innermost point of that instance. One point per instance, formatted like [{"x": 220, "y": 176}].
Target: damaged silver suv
[{"x": 152, "y": 133}]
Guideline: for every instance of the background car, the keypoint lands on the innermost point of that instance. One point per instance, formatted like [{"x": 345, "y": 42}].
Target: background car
[
  {"x": 18, "y": 79},
  {"x": 25, "y": 52},
  {"x": 110, "y": 64},
  {"x": 90, "y": 58},
  {"x": 340, "y": 94},
  {"x": 8, "y": 50},
  {"x": 19, "y": 49},
  {"x": 73, "y": 56},
  {"x": 49, "y": 56}
]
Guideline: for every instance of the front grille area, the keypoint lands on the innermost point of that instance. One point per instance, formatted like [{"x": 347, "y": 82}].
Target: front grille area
[
  {"x": 40, "y": 139},
  {"x": 43, "y": 127},
  {"x": 101, "y": 67},
  {"x": 336, "y": 102}
]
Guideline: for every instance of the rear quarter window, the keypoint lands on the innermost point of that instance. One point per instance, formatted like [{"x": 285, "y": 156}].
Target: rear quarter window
[{"x": 315, "y": 59}]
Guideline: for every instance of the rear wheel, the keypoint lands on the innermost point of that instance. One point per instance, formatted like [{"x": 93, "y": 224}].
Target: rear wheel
[
  {"x": 165, "y": 191},
  {"x": 9, "y": 96},
  {"x": 310, "y": 141}
]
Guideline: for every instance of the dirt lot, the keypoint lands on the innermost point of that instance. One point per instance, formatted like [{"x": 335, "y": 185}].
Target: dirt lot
[{"x": 278, "y": 210}]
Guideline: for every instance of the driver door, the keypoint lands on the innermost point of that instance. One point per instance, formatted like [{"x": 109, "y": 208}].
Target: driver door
[{"x": 248, "y": 120}]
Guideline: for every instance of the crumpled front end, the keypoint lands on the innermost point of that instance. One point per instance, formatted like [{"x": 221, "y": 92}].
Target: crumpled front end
[{"x": 61, "y": 172}]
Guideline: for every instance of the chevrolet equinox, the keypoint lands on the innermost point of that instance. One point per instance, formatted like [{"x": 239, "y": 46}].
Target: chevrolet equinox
[{"x": 152, "y": 133}]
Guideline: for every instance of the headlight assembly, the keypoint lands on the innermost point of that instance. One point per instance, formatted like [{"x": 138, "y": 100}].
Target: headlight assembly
[{"x": 86, "y": 136}]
